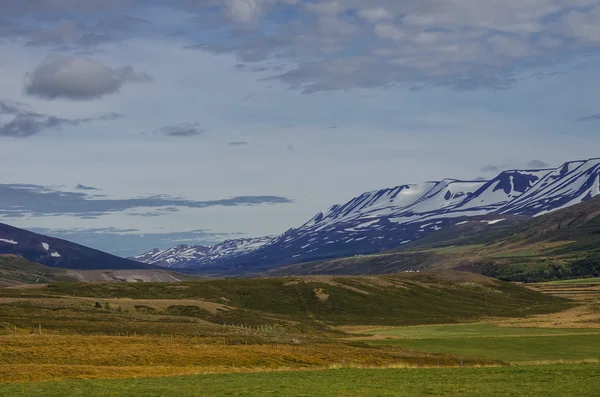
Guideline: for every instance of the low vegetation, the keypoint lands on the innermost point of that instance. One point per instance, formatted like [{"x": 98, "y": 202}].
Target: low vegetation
[
  {"x": 384, "y": 335},
  {"x": 547, "y": 380},
  {"x": 298, "y": 303}
]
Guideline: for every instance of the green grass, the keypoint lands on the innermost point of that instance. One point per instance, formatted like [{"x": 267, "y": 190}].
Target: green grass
[
  {"x": 551, "y": 380},
  {"x": 509, "y": 349},
  {"x": 473, "y": 330},
  {"x": 459, "y": 248},
  {"x": 425, "y": 298}
]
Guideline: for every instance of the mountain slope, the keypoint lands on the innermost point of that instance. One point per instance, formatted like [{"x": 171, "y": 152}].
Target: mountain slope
[
  {"x": 382, "y": 220},
  {"x": 55, "y": 252},
  {"x": 557, "y": 245}
]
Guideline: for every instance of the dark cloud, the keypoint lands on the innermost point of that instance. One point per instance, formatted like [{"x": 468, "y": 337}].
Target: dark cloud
[
  {"x": 183, "y": 130},
  {"x": 593, "y": 117},
  {"x": 26, "y": 123},
  {"x": 35, "y": 200},
  {"x": 490, "y": 168},
  {"x": 131, "y": 242},
  {"x": 78, "y": 78},
  {"x": 537, "y": 164},
  {"x": 238, "y": 143},
  {"x": 83, "y": 187}
]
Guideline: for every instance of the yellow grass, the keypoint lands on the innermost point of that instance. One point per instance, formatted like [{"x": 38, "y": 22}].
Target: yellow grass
[{"x": 53, "y": 357}]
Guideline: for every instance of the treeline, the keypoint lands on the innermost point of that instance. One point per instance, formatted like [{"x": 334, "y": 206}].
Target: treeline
[{"x": 588, "y": 267}]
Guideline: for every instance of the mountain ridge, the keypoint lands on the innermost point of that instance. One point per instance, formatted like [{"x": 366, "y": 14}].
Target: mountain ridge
[{"x": 383, "y": 219}]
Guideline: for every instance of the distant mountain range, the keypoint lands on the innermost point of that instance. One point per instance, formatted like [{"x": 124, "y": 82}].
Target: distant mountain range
[
  {"x": 180, "y": 256},
  {"x": 389, "y": 218},
  {"x": 53, "y": 252}
]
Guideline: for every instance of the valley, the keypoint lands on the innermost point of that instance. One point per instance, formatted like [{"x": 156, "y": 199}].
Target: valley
[
  {"x": 499, "y": 298},
  {"x": 328, "y": 335}
]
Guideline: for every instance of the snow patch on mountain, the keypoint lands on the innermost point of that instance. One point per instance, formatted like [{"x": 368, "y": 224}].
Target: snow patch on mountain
[
  {"x": 384, "y": 219},
  {"x": 181, "y": 255}
]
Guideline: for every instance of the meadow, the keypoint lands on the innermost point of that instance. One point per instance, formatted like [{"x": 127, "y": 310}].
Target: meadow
[
  {"x": 546, "y": 380},
  {"x": 508, "y": 344},
  {"x": 447, "y": 333}
]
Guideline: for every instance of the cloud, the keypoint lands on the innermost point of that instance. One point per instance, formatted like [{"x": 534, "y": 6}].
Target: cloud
[
  {"x": 131, "y": 242},
  {"x": 36, "y": 200},
  {"x": 537, "y": 164},
  {"x": 78, "y": 78},
  {"x": 238, "y": 143},
  {"x": 64, "y": 33},
  {"x": 593, "y": 117},
  {"x": 19, "y": 8},
  {"x": 183, "y": 130},
  {"x": 26, "y": 123},
  {"x": 83, "y": 187},
  {"x": 490, "y": 168},
  {"x": 463, "y": 44}
]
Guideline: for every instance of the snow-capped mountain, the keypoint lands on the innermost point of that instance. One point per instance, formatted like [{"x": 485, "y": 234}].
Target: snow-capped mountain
[
  {"x": 385, "y": 219},
  {"x": 183, "y": 255},
  {"x": 55, "y": 252}
]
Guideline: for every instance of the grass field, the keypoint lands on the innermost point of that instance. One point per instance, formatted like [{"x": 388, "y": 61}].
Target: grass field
[
  {"x": 239, "y": 337},
  {"x": 474, "y": 331},
  {"x": 34, "y": 358},
  {"x": 509, "y": 349},
  {"x": 547, "y": 380},
  {"x": 313, "y": 303}
]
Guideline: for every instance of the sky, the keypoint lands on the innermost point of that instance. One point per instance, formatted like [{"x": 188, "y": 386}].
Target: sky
[{"x": 127, "y": 125}]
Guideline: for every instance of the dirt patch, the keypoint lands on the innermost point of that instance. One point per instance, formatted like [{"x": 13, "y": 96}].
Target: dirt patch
[
  {"x": 321, "y": 295},
  {"x": 28, "y": 286}
]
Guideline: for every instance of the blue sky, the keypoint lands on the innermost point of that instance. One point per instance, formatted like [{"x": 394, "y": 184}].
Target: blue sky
[{"x": 200, "y": 120}]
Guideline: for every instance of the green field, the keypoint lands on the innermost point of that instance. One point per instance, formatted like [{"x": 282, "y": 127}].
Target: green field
[
  {"x": 547, "y": 380},
  {"x": 473, "y": 331},
  {"x": 508, "y": 344}
]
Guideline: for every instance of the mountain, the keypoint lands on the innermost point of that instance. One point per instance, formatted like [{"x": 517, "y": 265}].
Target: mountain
[
  {"x": 55, "y": 252},
  {"x": 556, "y": 245},
  {"x": 385, "y": 219},
  {"x": 180, "y": 256}
]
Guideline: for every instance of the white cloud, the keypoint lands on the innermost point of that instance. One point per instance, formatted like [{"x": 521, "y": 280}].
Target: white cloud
[{"x": 76, "y": 77}]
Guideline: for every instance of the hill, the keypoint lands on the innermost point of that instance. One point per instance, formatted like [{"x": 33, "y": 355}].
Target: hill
[
  {"x": 55, "y": 252},
  {"x": 401, "y": 299},
  {"x": 15, "y": 270}
]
